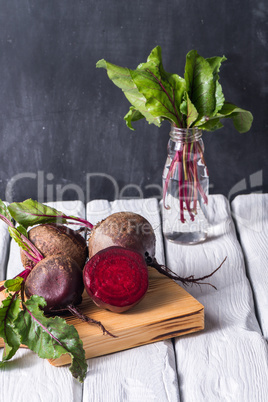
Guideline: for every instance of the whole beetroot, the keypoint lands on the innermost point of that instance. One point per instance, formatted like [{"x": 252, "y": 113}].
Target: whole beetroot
[
  {"x": 59, "y": 280},
  {"x": 123, "y": 229},
  {"x": 53, "y": 239}
]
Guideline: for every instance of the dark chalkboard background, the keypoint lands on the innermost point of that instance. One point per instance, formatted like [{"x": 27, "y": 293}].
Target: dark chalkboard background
[{"x": 61, "y": 120}]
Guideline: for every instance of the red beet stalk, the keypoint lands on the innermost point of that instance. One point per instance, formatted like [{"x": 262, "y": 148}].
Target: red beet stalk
[{"x": 189, "y": 186}]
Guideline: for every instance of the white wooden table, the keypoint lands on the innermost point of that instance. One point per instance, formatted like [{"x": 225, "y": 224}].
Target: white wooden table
[{"x": 228, "y": 361}]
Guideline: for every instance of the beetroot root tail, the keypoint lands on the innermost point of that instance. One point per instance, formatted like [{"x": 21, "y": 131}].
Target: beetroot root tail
[
  {"x": 162, "y": 269},
  {"x": 76, "y": 312}
]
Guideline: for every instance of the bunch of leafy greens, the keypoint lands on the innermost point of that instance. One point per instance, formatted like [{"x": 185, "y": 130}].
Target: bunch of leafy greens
[
  {"x": 196, "y": 100},
  {"x": 23, "y": 321}
]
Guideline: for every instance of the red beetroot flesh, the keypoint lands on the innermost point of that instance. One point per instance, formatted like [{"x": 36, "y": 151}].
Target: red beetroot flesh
[{"x": 116, "y": 278}]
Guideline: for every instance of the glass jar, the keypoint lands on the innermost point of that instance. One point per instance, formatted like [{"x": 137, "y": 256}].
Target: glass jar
[{"x": 185, "y": 188}]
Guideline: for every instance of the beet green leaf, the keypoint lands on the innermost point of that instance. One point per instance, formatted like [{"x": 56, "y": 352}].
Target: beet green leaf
[
  {"x": 162, "y": 90},
  {"x": 5, "y": 215},
  {"x": 215, "y": 64},
  {"x": 13, "y": 285},
  {"x": 201, "y": 82},
  {"x": 122, "y": 78},
  {"x": 189, "y": 110},
  {"x": 50, "y": 337},
  {"x": 242, "y": 119},
  {"x": 132, "y": 115},
  {"x": 30, "y": 213},
  {"x": 195, "y": 100},
  {"x": 30, "y": 250},
  {"x": 9, "y": 311}
]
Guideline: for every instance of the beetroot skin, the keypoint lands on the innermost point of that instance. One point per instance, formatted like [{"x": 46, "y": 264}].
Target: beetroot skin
[
  {"x": 123, "y": 229},
  {"x": 116, "y": 278},
  {"x": 52, "y": 239},
  {"x": 59, "y": 280}
]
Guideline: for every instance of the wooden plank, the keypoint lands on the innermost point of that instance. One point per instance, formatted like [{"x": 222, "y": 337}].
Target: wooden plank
[
  {"x": 166, "y": 311},
  {"x": 251, "y": 214},
  {"x": 227, "y": 361}
]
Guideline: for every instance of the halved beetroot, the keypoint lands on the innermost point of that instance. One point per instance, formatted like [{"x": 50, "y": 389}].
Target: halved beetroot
[{"x": 116, "y": 278}]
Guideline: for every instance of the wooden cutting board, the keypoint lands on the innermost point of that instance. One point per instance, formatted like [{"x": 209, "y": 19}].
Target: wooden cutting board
[{"x": 166, "y": 311}]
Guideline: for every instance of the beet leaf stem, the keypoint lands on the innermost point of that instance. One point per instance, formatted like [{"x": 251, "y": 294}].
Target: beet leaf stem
[
  {"x": 180, "y": 166},
  {"x": 80, "y": 220},
  {"x": 42, "y": 326},
  {"x": 185, "y": 161},
  {"x": 170, "y": 172},
  {"x": 17, "y": 235},
  {"x": 84, "y": 222}
]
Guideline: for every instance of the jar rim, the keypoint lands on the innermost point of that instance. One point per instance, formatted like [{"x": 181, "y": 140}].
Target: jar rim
[{"x": 185, "y": 134}]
